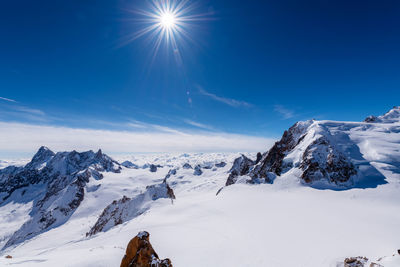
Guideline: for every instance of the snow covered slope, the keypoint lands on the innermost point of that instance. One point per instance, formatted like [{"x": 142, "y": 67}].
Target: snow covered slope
[{"x": 301, "y": 208}]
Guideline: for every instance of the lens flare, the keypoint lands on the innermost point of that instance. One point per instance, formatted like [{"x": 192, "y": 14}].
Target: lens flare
[{"x": 167, "y": 22}]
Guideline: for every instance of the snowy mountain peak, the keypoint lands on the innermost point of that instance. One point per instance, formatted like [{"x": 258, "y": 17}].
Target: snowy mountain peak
[
  {"x": 56, "y": 185},
  {"x": 43, "y": 155},
  {"x": 321, "y": 154},
  {"x": 391, "y": 116}
]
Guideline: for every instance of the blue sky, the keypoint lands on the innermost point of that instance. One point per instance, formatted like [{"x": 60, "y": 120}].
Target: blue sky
[{"x": 252, "y": 68}]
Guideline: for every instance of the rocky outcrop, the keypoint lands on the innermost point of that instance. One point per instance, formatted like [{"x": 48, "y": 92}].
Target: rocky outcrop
[
  {"x": 272, "y": 161},
  {"x": 197, "y": 170},
  {"x": 153, "y": 168},
  {"x": 187, "y": 166},
  {"x": 125, "y": 209},
  {"x": 140, "y": 253},
  {"x": 322, "y": 160},
  {"x": 169, "y": 174},
  {"x": 220, "y": 165},
  {"x": 56, "y": 185},
  {"x": 355, "y": 262},
  {"x": 241, "y": 166},
  {"x": 129, "y": 165}
]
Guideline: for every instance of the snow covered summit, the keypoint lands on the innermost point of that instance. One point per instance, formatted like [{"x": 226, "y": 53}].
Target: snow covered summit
[{"x": 324, "y": 154}]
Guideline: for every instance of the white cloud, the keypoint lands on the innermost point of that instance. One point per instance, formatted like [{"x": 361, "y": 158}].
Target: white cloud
[
  {"x": 8, "y": 99},
  {"x": 284, "y": 112},
  {"x": 27, "y": 138},
  {"x": 229, "y": 101}
]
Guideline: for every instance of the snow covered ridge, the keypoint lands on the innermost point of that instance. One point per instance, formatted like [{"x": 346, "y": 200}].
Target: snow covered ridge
[
  {"x": 391, "y": 116},
  {"x": 55, "y": 183},
  {"x": 126, "y": 208},
  {"x": 322, "y": 154}
]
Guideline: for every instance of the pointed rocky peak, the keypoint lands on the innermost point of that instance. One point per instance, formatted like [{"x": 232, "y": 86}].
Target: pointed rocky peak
[
  {"x": 43, "y": 155},
  {"x": 99, "y": 154}
]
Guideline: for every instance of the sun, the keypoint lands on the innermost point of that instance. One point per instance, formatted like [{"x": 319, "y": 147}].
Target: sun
[
  {"x": 167, "y": 20},
  {"x": 168, "y": 23}
]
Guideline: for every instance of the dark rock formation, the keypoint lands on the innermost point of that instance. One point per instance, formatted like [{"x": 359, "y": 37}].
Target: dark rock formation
[
  {"x": 187, "y": 166},
  {"x": 272, "y": 161},
  {"x": 371, "y": 119},
  {"x": 153, "y": 168},
  {"x": 170, "y": 172},
  {"x": 197, "y": 170},
  {"x": 241, "y": 166},
  {"x": 125, "y": 209},
  {"x": 220, "y": 165},
  {"x": 355, "y": 262},
  {"x": 140, "y": 253},
  {"x": 130, "y": 165},
  {"x": 322, "y": 160}
]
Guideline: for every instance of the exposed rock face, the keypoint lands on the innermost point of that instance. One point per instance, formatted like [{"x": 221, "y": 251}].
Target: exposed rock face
[
  {"x": 241, "y": 166},
  {"x": 170, "y": 172},
  {"x": 355, "y": 262},
  {"x": 125, "y": 209},
  {"x": 308, "y": 146},
  {"x": 371, "y": 119},
  {"x": 153, "y": 168},
  {"x": 187, "y": 166},
  {"x": 273, "y": 160},
  {"x": 321, "y": 160},
  {"x": 220, "y": 165},
  {"x": 197, "y": 170},
  {"x": 55, "y": 183},
  {"x": 130, "y": 165},
  {"x": 140, "y": 253}
]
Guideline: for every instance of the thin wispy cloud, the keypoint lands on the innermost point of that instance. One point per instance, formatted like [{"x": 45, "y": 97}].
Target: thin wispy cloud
[
  {"x": 30, "y": 110},
  {"x": 15, "y": 111},
  {"x": 228, "y": 101},
  {"x": 198, "y": 124},
  {"x": 284, "y": 112},
  {"x": 26, "y": 138},
  {"x": 150, "y": 127},
  {"x": 8, "y": 99}
]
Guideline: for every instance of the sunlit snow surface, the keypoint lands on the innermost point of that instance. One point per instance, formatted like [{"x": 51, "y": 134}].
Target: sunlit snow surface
[{"x": 283, "y": 224}]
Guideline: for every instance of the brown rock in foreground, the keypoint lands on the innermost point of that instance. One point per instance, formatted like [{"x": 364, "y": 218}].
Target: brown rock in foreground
[
  {"x": 355, "y": 262},
  {"x": 140, "y": 253}
]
